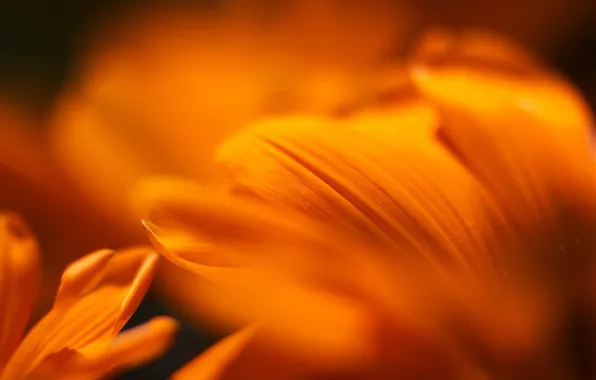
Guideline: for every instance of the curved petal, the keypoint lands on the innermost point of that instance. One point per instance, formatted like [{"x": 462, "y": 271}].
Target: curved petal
[
  {"x": 398, "y": 191},
  {"x": 214, "y": 235},
  {"x": 131, "y": 348},
  {"x": 480, "y": 71},
  {"x": 524, "y": 134},
  {"x": 91, "y": 321},
  {"x": 19, "y": 280},
  {"x": 521, "y": 130},
  {"x": 318, "y": 295},
  {"x": 83, "y": 276}
]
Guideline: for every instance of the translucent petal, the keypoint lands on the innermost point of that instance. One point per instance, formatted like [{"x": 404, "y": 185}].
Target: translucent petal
[{"x": 93, "y": 319}]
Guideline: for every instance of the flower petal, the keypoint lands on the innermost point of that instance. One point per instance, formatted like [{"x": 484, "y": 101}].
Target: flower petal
[
  {"x": 480, "y": 70},
  {"x": 83, "y": 276},
  {"x": 214, "y": 235},
  {"x": 94, "y": 319},
  {"x": 523, "y": 132},
  {"x": 405, "y": 193},
  {"x": 130, "y": 349},
  {"x": 19, "y": 280}
]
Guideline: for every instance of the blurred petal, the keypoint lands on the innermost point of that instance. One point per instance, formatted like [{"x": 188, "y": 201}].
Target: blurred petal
[
  {"x": 396, "y": 111},
  {"x": 481, "y": 71},
  {"x": 34, "y": 186},
  {"x": 19, "y": 280},
  {"x": 523, "y": 132},
  {"x": 97, "y": 154},
  {"x": 212, "y": 364},
  {"x": 90, "y": 322},
  {"x": 316, "y": 294}
]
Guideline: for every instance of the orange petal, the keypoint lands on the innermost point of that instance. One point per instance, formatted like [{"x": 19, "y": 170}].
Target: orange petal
[
  {"x": 131, "y": 348},
  {"x": 406, "y": 193},
  {"x": 398, "y": 112},
  {"x": 481, "y": 71},
  {"x": 284, "y": 274},
  {"x": 523, "y": 132},
  {"x": 92, "y": 320},
  {"x": 215, "y": 234},
  {"x": 211, "y": 364},
  {"x": 83, "y": 276},
  {"x": 19, "y": 279}
]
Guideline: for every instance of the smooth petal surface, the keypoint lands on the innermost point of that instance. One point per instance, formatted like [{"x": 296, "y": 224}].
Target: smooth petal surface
[
  {"x": 95, "y": 151},
  {"x": 480, "y": 71},
  {"x": 19, "y": 280},
  {"x": 83, "y": 276},
  {"x": 88, "y": 323}
]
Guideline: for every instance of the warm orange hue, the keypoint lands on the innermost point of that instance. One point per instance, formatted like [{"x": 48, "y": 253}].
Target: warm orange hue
[
  {"x": 77, "y": 338},
  {"x": 211, "y": 363},
  {"x": 453, "y": 244},
  {"x": 161, "y": 86},
  {"x": 35, "y": 187}
]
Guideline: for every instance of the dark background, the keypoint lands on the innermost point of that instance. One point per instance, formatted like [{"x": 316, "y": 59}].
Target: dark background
[{"x": 38, "y": 45}]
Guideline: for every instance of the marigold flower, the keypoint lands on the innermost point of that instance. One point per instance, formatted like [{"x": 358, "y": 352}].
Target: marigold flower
[
  {"x": 77, "y": 338},
  {"x": 451, "y": 246}
]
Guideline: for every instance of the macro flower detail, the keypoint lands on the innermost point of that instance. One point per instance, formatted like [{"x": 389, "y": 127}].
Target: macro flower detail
[
  {"x": 456, "y": 250},
  {"x": 77, "y": 338}
]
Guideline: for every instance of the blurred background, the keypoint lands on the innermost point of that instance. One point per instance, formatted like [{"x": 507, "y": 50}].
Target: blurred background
[{"x": 101, "y": 93}]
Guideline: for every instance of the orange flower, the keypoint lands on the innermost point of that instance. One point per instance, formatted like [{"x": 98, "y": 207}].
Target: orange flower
[
  {"x": 77, "y": 339},
  {"x": 453, "y": 245}
]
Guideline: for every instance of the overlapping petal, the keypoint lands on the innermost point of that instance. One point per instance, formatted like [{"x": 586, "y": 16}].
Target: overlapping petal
[
  {"x": 524, "y": 133},
  {"x": 98, "y": 295},
  {"x": 485, "y": 185}
]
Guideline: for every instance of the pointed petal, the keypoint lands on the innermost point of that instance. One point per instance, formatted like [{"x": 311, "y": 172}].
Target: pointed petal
[
  {"x": 211, "y": 364},
  {"x": 19, "y": 279},
  {"x": 93, "y": 319},
  {"x": 83, "y": 276},
  {"x": 131, "y": 348},
  {"x": 215, "y": 235}
]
